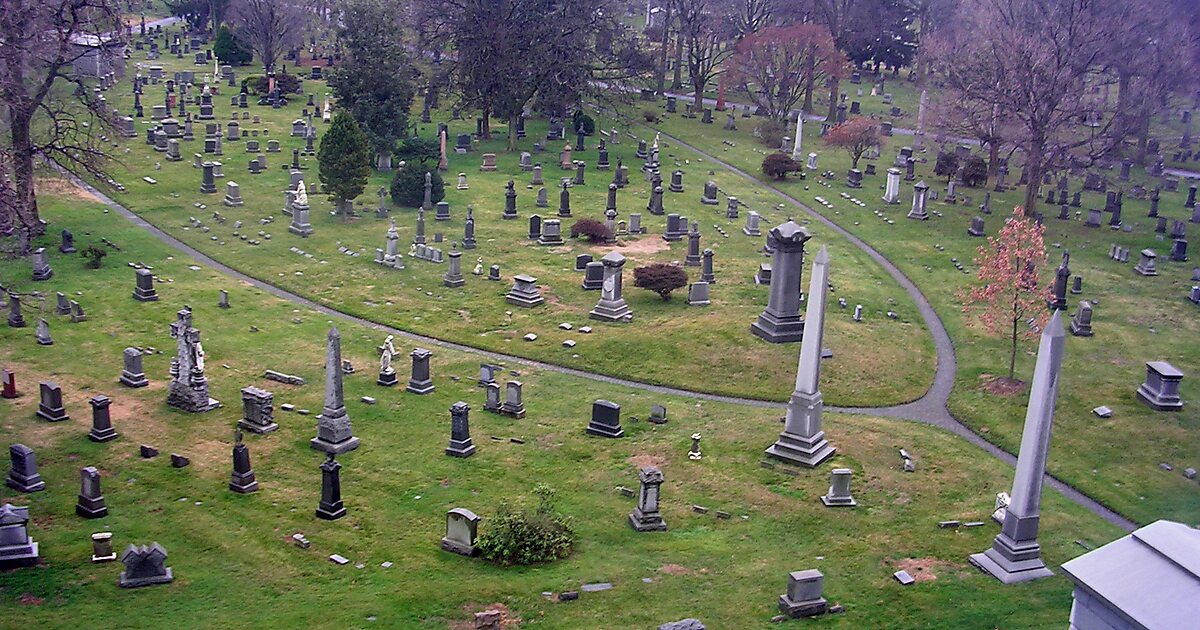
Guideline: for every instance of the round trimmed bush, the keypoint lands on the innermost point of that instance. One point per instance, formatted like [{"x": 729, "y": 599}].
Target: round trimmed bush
[
  {"x": 408, "y": 186},
  {"x": 593, "y": 230}
]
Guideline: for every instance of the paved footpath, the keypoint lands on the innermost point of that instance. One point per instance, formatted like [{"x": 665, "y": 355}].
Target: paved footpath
[{"x": 929, "y": 409}]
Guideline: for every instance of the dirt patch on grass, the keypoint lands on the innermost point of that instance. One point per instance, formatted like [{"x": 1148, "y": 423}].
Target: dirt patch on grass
[
  {"x": 645, "y": 459},
  {"x": 29, "y": 600},
  {"x": 924, "y": 569},
  {"x": 61, "y": 188},
  {"x": 674, "y": 569},
  {"x": 508, "y": 619},
  {"x": 646, "y": 245},
  {"x": 1001, "y": 385}
]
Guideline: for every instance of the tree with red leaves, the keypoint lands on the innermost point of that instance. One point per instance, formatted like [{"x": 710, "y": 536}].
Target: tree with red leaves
[
  {"x": 855, "y": 136},
  {"x": 1010, "y": 292},
  {"x": 780, "y": 65},
  {"x": 662, "y": 278}
]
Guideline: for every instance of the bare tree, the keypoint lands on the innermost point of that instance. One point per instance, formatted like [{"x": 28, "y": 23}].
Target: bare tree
[
  {"x": 1038, "y": 62},
  {"x": 749, "y": 16},
  {"x": 269, "y": 27},
  {"x": 779, "y": 65},
  {"x": 706, "y": 42},
  {"x": 48, "y": 108}
]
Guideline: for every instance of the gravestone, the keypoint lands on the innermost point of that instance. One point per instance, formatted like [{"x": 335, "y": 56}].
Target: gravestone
[
  {"x": 102, "y": 550},
  {"x": 1146, "y": 266},
  {"x": 606, "y": 420},
  {"x": 1081, "y": 323},
  {"x": 22, "y": 472},
  {"x": 551, "y": 232},
  {"x": 132, "y": 374},
  {"x": 334, "y": 434},
  {"x": 612, "y": 306},
  {"x": 91, "y": 501},
  {"x": 144, "y": 289},
  {"x": 646, "y": 516},
  {"x": 241, "y": 480},
  {"x": 525, "y": 292},
  {"x": 144, "y": 566},
  {"x": 462, "y": 527},
  {"x": 698, "y": 294},
  {"x": 102, "y": 429},
  {"x": 50, "y": 406},
  {"x": 709, "y": 198},
  {"x": 17, "y": 548},
  {"x": 593, "y": 276},
  {"x": 780, "y": 322},
  {"x": 1160, "y": 391},
  {"x": 1015, "y": 555},
  {"x": 331, "y": 508},
  {"x": 839, "y": 489},
  {"x": 258, "y": 411},
  {"x": 976, "y": 228},
  {"x": 920, "y": 193},
  {"x": 514, "y": 405},
  {"x": 460, "y": 431},
  {"x": 802, "y": 441},
  {"x": 803, "y": 597},
  {"x": 41, "y": 265},
  {"x": 1058, "y": 292},
  {"x": 421, "y": 380},
  {"x": 453, "y": 277}
]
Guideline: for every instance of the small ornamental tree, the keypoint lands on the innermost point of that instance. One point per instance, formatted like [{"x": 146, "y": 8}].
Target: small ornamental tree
[
  {"x": 856, "y": 135},
  {"x": 975, "y": 172},
  {"x": 418, "y": 149},
  {"x": 344, "y": 159},
  {"x": 778, "y": 165},
  {"x": 771, "y": 132},
  {"x": 662, "y": 278},
  {"x": 593, "y": 230},
  {"x": 1009, "y": 293}
]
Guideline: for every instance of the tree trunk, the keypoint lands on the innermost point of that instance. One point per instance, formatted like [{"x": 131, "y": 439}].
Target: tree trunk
[
  {"x": 1012, "y": 356},
  {"x": 834, "y": 90},
  {"x": 677, "y": 81},
  {"x": 1124, "y": 119},
  {"x": 487, "y": 124},
  {"x": 1033, "y": 171},
  {"x": 512, "y": 132},
  {"x": 698, "y": 98},
  {"x": 26, "y": 208},
  {"x": 993, "y": 158},
  {"x": 662, "y": 54}
]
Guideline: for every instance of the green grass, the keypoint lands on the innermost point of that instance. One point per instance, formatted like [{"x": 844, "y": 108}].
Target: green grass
[
  {"x": 234, "y": 565},
  {"x": 701, "y": 349},
  {"x": 1137, "y": 319}
]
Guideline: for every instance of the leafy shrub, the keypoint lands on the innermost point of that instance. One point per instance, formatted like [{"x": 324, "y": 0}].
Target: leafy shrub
[
  {"x": 662, "y": 278},
  {"x": 94, "y": 255},
  {"x": 947, "y": 164},
  {"x": 771, "y": 132},
  {"x": 259, "y": 84},
  {"x": 408, "y": 186},
  {"x": 651, "y": 115},
  {"x": 975, "y": 172},
  {"x": 584, "y": 123},
  {"x": 778, "y": 165},
  {"x": 418, "y": 149},
  {"x": 519, "y": 538},
  {"x": 595, "y": 231}
]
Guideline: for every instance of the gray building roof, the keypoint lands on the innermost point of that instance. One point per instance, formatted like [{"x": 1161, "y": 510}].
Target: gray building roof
[{"x": 1151, "y": 577}]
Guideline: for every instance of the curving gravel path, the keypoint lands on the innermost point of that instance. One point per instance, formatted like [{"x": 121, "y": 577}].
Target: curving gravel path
[{"x": 929, "y": 409}]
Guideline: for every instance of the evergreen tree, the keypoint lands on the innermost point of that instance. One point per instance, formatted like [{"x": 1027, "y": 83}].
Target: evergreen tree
[
  {"x": 229, "y": 50},
  {"x": 344, "y": 158},
  {"x": 374, "y": 81}
]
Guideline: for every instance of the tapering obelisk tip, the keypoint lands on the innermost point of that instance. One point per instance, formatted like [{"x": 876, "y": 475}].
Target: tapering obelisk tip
[
  {"x": 1054, "y": 327},
  {"x": 822, "y": 256}
]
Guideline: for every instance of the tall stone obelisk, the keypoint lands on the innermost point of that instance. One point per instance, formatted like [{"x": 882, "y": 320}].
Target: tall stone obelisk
[
  {"x": 803, "y": 441},
  {"x": 333, "y": 425},
  {"x": 1015, "y": 555}
]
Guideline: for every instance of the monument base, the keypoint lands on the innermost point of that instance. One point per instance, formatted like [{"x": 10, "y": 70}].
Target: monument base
[
  {"x": 795, "y": 449},
  {"x": 128, "y": 582},
  {"x": 775, "y": 329},
  {"x": 337, "y": 448},
  {"x": 256, "y": 428},
  {"x": 1148, "y": 398},
  {"x": 331, "y": 511},
  {"x": 806, "y": 608},
  {"x": 644, "y": 522},
  {"x": 461, "y": 448}
]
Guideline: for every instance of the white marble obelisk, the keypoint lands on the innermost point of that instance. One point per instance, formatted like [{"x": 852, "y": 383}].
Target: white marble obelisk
[
  {"x": 1015, "y": 555},
  {"x": 803, "y": 441}
]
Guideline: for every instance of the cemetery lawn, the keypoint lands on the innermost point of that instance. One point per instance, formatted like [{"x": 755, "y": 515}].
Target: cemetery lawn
[
  {"x": 1137, "y": 319},
  {"x": 707, "y": 349},
  {"x": 234, "y": 564}
]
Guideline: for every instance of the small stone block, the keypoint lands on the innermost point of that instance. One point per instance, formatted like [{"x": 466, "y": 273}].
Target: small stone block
[
  {"x": 1103, "y": 412},
  {"x": 148, "y": 452},
  {"x": 903, "y": 577},
  {"x": 368, "y": 400},
  {"x": 699, "y": 509},
  {"x": 1190, "y": 473},
  {"x": 568, "y": 596},
  {"x": 948, "y": 524},
  {"x": 179, "y": 461},
  {"x": 596, "y": 588},
  {"x": 337, "y": 559}
]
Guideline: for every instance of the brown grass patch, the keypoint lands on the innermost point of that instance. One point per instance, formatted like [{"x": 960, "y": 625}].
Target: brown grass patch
[
  {"x": 924, "y": 569},
  {"x": 508, "y": 619},
  {"x": 1001, "y": 385},
  {"x": 59, "y": 187},
  {"x": 646, "y": 245},
  {"x": 29, "y": 600},
  {"x": 645, "y": 459},
  {"x": 674, "y": 569}
]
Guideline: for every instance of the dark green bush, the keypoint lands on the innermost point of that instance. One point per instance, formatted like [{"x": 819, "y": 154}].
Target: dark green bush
[
  {"x": 975, "y": 172},
  {"x": 258, "y": 84},
  {"x": 662, "y": 278},
  {"x": 524, "y": 537},
  {"x": 418, "y": 149},
  {"x": 94, "y": 256},
  {"x": 947, "y": 164},
  {"x": 584, "y": 123},
  {"x": 408, "y": 186},
  {"x": 778, "y": 165}
]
